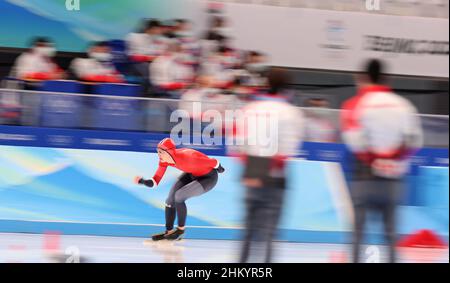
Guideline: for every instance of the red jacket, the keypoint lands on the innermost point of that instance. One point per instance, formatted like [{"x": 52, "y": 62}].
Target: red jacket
[{"x": 187, "y": 160}]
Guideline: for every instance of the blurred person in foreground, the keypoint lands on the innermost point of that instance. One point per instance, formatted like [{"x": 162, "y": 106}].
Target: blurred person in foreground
[
  {"x": 37, "y": 63},
  {"x": 265, "y": 164},
  {"x": 319, "y": 126},
  {"x": 98, "y": 66},
  {"x": 382, "y": 130}
]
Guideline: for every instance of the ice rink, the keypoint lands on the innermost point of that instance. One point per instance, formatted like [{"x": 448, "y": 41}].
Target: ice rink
[{"x": 21, "y": 248}]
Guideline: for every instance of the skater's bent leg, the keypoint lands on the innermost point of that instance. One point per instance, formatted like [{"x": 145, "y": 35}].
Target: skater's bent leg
[
  {"x": 182, "y": 214},
  {"x": 190, "y": 190},
  {"x": 170, "y": 201},
  {"x": 170, "y": 217}
]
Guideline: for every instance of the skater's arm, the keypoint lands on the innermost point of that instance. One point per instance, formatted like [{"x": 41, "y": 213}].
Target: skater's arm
[
  {"x": 218, "y": 166},
  {"x": 153, "y": 182},
  {"x": 141, "y": 181},
  {"x": 159, "y": 174}
]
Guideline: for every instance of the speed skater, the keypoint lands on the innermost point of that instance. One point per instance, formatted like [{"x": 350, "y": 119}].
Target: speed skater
[{"x": 200, "y": 175}]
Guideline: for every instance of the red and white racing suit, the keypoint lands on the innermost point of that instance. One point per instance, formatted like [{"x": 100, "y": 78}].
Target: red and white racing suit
[{"x": 382, "y": 129}]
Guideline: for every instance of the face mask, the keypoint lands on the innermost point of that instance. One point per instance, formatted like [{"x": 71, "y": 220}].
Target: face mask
[
  {"x": 100, "y": 56},
  {"x": 47, "y": 51}
]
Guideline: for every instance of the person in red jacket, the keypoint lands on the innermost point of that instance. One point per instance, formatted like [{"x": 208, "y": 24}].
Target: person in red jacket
[
  {"x": 199, "y": 177},
  {"x": 383, "y": 131}
]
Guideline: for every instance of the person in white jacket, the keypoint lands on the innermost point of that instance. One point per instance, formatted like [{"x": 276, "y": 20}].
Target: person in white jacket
[
  {"x": 143, "y": 48},
  {"x": 147, "y": 45},
  {"x": 221, "y": 67},
  {"x": 97, "y": 67},
  {"x": 171, "y": 72},
  {"x": 382, "y": 130},
  {"x": 187, "y": 40},
  {"x": 37, "y": 63},
  {"x": 204, "y": 97},
  {"x": 270, "y": 132}
]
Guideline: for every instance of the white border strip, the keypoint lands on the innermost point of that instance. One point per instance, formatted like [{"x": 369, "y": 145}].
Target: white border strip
[
  {"x": 118, "y": 223},
  {"x": 339, "y": 192}
]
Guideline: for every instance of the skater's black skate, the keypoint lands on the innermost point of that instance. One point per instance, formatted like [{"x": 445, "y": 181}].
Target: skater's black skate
[
  {"x": 160, "y": 236},
  {"x": 174, "y": 235}
]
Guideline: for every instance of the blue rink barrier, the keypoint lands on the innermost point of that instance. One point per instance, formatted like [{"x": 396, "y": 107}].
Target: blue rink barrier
[
  {"x": 61, "y": 110},
  {"x": 118, "y": 114},
  {"x": 80, "y": 182}
]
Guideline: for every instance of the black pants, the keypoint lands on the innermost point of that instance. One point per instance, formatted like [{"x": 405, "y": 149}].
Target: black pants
[
  {"x": 186, "y": 187},
  {"x": 380, "y": 195},
  {"x": 261, "y": 222}
]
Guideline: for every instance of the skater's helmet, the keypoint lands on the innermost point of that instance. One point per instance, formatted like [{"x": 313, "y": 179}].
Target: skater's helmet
[{"x": 168, "y": 145}]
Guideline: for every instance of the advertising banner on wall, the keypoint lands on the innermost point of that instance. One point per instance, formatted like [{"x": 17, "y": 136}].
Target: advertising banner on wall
[{"x": 337, "y": 40}]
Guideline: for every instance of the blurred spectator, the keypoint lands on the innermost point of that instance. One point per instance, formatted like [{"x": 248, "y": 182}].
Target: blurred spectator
[
  {"x": 97, "y": 67},
  {"x": 382, "y": 130},
  {"x": 241, "y": 90},
  {"x": 168, "y": 29},
  {"x": 256, "y": 67},
  {"x": 189, "y": 44},
  {"x": 183, "y": 28},
  {"x": 171, "y": 72},
  {"x": 319, "y": 126},
  {"x": 37, "y": 63},
  {"x": 220, "y": 66},
  {"x": 209, "y": 97},
  {"x": 147, "y": 45},
  {"x": 264, "y": 173},
  {"x": 143, "y": 48},
  {"x": 214, "y": 36},
  {"x": 218, "y": 28}
]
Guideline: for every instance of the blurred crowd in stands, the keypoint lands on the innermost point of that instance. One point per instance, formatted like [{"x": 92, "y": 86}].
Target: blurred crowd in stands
[{"x": 164, "y": 58}]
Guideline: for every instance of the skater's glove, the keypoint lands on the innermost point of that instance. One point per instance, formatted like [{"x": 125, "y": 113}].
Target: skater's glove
[
  {"x": 142, "y": 181},
  {"x": 220, "y": 169}
]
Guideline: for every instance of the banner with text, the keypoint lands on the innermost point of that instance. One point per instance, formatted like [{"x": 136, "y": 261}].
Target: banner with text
[{"x": 336, "y": 40}]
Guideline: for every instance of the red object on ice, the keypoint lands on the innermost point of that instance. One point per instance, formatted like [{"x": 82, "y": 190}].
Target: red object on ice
[
  {"x": 422, "y": 239},
  {"x": 215, "y": 6},
  {"x": 338, "y": 257},
  {"x": 52, "y": 241}
]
